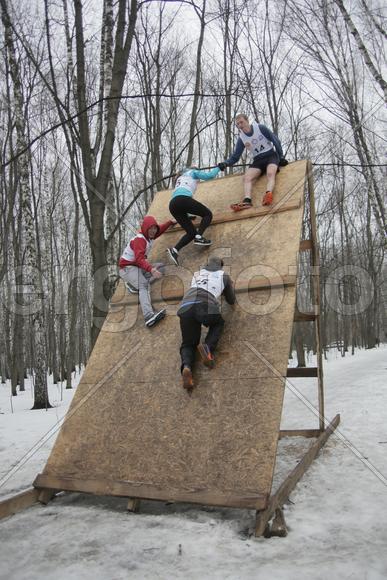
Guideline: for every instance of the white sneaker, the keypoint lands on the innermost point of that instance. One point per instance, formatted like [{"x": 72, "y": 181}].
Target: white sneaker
[{"x": 155, "y": 318}]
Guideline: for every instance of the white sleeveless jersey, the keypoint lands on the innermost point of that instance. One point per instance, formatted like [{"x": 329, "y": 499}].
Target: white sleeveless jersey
[
  {"x": 210, "y": 281},
  {"x": 257, "y": 143},
  {"x": 187, "y": 181},
  {"x": 128, "y": 253}
]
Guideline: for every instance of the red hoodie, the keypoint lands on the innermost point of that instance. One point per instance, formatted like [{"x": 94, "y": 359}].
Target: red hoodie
[{"x": 136, "y": 252}]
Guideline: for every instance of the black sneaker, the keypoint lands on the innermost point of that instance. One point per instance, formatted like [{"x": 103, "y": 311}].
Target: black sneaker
[
  {"x": 200, "y": 241},
  {"x": 174, "y": 255},
  {"x": 155, "y": 318},
  {"x": 131, "y": 288}
]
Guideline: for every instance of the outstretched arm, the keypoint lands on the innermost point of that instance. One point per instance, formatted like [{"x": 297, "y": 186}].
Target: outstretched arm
[
  {"x": 236, "y": 155},
  {"x": 205, "y": 175},
  {"x": 163, "y": 227}
]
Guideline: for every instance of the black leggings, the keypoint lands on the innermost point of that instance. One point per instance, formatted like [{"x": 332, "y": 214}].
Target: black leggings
[
  {"x": 180, "y": 206},
  {"x": 191, "y": 325}
]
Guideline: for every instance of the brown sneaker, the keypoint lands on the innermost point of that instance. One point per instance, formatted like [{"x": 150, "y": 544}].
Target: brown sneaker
[
  {"x": 206, "y": 355},
  {"x": 187, "y": 378}
]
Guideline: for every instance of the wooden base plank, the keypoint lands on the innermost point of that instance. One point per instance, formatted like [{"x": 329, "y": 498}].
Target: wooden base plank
[
  {"x": 278, "y": 499},
  {"x": 299, "y": 433},
  {"x": 18, "y": 502},
  {"x": 147, "y": 491}
]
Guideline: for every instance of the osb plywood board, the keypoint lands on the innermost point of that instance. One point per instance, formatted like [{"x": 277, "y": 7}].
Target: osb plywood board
[
  {"x": 219, "y": 193},
  {"x": 130, "y": 419}
]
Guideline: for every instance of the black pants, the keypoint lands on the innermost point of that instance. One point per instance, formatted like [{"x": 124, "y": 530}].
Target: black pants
[
  {"x": 191, "y": 321},
  {"x": 180, "y": 206}
]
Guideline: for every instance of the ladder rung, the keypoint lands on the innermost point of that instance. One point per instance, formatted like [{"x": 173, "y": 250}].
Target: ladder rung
[{"x": 301, "y": 372}]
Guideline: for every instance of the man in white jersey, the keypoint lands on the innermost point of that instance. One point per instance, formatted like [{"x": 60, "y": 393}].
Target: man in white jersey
[
  {"x": 266, "y": 155},
  {"x": 201, "y": 305}
]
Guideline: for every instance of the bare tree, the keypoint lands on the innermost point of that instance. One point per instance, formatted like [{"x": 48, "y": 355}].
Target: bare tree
[
  {"x": 362, "y": 48},
  {"x": 30, "y": 272}
]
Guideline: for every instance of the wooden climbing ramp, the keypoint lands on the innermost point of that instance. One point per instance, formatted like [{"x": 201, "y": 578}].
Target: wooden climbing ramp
[{"x": 132, "y": 430}]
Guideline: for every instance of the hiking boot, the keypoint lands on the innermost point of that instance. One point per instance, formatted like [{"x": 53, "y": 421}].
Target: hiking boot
[
  {"x": 187, "y": 378},
  {"x": 206, "y": 355},
  {"x": 131, "y": 289},
  {"x": 173, "y": 255},
  {"x": 200, "y": 241},
  {"x": 155, "y": 318},
  {"x": 267, "y": 198}
]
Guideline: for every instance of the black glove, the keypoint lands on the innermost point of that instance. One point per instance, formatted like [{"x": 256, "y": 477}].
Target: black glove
[
  {"x": 283, "y": 162},
  {"x": 222, "y": 166}
]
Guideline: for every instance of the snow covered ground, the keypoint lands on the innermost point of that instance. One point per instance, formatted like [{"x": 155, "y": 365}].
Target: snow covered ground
[{"x": 336, "y": 518}]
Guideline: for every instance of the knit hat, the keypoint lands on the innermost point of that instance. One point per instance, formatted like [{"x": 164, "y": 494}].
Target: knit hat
[{"x": 214, "y": 263}]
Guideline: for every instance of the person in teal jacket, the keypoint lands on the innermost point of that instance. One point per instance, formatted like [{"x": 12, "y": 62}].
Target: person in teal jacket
[{"x": 182, "y": 206}]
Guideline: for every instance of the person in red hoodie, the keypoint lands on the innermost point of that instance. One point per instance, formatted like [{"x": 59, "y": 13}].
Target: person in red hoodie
[{"x": 137, "y": 272}]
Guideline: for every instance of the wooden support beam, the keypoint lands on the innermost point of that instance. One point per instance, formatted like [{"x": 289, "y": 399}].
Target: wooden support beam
[
  {"x": 133, "y": 505},
  {"x": 304, "y": 316},
  {"x": 148, "y": 491},
  {"x": 231, "y": 216},
  {"x": 46, "y": 495},
  {"x": 278, "y": 499},
  {"x": 306, "y": 245},
  {"x": 301, "y": 372},
  {"x": 18, "y": 502},
  {"x": 315, "y": 263},
  {"x": 278, "y": 526},
  {"x": 299, "y": 433}
]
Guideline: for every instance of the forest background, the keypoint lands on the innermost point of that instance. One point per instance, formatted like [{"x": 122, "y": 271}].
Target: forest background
[{"x": 102, "y": 102}]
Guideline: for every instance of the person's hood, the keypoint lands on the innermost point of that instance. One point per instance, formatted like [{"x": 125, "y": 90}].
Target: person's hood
[
  {"x": 147, "y": 223},
  {"x": 214, "y": 264}
]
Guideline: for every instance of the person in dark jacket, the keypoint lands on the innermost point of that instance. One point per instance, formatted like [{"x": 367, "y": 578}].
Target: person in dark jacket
[
  {"x": 266, "y": 155},
  {"x": 200, "y": 305}
]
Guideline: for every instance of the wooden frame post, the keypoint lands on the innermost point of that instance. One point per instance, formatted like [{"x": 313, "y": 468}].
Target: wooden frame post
[{"x": 277, "y": 500}]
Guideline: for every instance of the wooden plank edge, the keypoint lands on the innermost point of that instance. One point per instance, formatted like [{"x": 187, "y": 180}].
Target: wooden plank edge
[
  {"x": 18, "y": 502},
  {"x": 135, "y": 490},
  {"x": 306, "y": 245},
  {"x": 242, "y": 286},
  {"x": 304, "y": 316},
  {"x": 303, "y": 372},
  {"x": 299, "y": 433},
  {"x": 278, "y": 499},
  {"x": 231, "y": 216}
]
